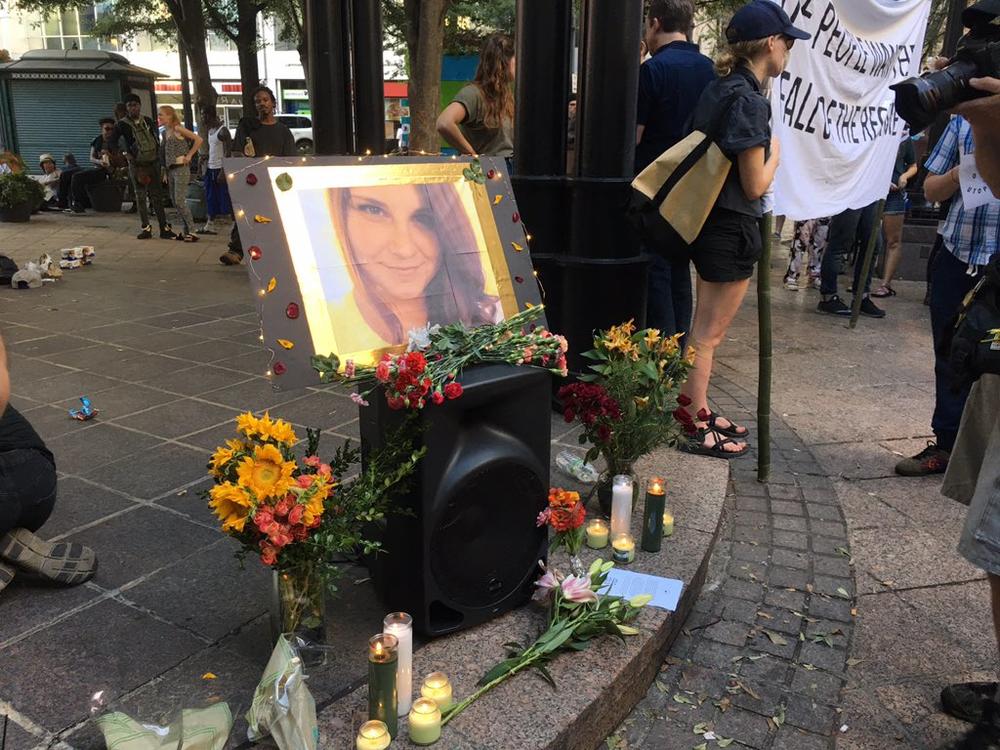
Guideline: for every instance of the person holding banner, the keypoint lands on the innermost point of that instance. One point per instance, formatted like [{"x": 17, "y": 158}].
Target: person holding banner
[{"x": 759, "y": 38}]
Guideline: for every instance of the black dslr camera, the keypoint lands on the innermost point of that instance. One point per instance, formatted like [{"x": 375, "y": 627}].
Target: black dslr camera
[{"x": 919, "y": 100}]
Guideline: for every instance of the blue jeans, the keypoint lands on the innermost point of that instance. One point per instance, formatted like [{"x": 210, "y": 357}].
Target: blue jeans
[
  {"x": 949, "y": 285},
  {"x": 847, "y": 227},
  {"x": 670, "y": 302},
  {"x": 27, "y": 489}
]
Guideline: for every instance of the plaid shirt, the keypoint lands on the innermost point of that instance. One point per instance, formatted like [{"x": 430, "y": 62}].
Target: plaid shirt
[{"x": 972, "y": 237}]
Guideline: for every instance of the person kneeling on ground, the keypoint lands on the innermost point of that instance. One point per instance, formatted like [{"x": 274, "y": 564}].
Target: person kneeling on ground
[{"x": 27, "y": 496}]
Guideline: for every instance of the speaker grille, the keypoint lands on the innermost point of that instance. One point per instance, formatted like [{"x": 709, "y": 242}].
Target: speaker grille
[{"x": 483, "y": 546}]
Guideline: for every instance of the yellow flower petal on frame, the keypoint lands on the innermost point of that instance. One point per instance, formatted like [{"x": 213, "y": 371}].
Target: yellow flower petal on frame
[
  {"x": 261, "y": 219},
  {"x": 497, "y": 200},
  {"x": 517, "y": 248},
  {"x": 272, "y": 284},
  {"x": 286, "y": 344}
]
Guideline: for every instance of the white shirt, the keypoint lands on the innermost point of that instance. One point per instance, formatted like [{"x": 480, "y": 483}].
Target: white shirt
[{"x": 215, "y": 148}]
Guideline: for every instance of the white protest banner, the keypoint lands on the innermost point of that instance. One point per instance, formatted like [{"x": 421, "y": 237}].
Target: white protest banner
[{"x": 832, "y": 108}]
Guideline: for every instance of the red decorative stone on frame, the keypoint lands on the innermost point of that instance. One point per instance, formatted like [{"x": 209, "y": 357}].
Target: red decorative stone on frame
[
  {"x": 292, "y": 311},
  {"x": 532, "y": 327},
  {"x": 492, "y": 174},
  {"x": 519, "y": 279},
  {"x": 255, "y": 252},
  {"x": 279, "y": 368},
  {"x": 251, "y": 179},
  {"x": 516, "y": 217}
]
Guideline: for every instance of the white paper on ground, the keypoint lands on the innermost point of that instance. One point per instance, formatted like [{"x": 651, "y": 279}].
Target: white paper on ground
[{"x": 666, "y": 592}]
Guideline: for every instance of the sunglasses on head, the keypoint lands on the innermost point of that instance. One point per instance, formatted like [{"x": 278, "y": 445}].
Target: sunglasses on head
[{"x": 789, "y": 41}]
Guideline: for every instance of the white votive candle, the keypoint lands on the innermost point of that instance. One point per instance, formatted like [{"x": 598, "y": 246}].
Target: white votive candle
[
  {"x": 373, "y": 735},
  {"x": 425, "y": 722},
  {"x": 621, "y": 505},
  {"x": 400, "y": 625},
  {"x": 438, "y": 688}
]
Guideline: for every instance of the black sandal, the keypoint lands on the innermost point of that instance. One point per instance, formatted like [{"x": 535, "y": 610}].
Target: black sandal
[
  {"x": 696, "y": 445},
  {"x": 733, "y": 431}
]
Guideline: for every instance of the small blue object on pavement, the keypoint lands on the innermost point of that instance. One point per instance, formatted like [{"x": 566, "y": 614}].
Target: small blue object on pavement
[{"x": 85, "y": 412}]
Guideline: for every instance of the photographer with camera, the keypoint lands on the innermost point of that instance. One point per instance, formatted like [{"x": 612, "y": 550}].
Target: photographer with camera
[{"x": 983, "y": 114}]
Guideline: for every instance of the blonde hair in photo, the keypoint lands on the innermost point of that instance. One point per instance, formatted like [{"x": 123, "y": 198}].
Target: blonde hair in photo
[{"x": 737, "y": 52}]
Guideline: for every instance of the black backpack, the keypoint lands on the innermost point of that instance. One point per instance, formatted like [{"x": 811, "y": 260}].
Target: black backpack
[
  {"x": 974, "y": 348},
  {"x": 7, "y": 270}
]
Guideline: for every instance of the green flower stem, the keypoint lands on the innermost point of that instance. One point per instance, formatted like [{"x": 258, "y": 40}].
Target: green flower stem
[{"x": 459, "y": 707}]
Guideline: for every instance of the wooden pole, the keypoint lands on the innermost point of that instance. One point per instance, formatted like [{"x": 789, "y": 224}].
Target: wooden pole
[
  {"x": 859, "y": 288},
  {"x": 764, "y": 351}
]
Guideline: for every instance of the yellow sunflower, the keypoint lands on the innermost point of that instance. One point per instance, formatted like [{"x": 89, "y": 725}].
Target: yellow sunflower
[
  {"x": 314, "y": 507},
  {"x": 223, "y": 456},
  {"x": 279, "y": 430},
  {"x": 231, "y": 504},
  {"x": 247, "y": 424},
  {"x": 266, "y": 474}
]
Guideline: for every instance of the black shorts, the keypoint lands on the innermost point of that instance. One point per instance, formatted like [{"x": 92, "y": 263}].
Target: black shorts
[{"x": 728, "y": 247}]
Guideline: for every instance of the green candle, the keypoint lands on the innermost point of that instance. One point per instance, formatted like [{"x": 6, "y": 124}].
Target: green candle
[
  {"x": 652, "y": 517},
  {"x": 382, "y": 657}
]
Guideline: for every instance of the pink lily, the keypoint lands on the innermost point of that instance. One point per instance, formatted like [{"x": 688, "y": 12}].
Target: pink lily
[
  {"x": 543, "y": 517},
  {"x": 578, "y": 589},
  {"x": 548, "y": 583}
]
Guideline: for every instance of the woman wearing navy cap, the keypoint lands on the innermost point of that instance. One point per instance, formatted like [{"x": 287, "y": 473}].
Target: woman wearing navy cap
[{"x": 759, "y": 37}]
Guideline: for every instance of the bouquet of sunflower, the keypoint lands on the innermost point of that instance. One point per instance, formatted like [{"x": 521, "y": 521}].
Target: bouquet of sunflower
[{"x": 263, "y": 496}]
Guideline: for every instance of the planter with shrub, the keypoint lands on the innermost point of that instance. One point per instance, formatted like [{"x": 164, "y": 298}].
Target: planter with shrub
[{"x": 19, "y": 196}]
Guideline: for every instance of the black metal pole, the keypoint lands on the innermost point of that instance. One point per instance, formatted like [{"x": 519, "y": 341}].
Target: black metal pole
[
  {"x": 866, "y": 264},
  {"x": 185, "y": 85},
  {"x": 765, "y": 353},
  {"x": 544, "y": 42},
  {"x": 328, "y": 76},
  {"x": 347, "y": 58},
  {"x": 368, "y": 78}
]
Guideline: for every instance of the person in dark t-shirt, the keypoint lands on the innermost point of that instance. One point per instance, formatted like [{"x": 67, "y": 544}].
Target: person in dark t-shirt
[
  {"x": 258, "y": 136},
  {"x": 27, "y": 497},
  {"x": 670, "y": 84}
]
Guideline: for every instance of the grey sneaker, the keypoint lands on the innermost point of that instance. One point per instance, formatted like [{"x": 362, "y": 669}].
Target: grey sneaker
[{"x": 965, "y": 700}]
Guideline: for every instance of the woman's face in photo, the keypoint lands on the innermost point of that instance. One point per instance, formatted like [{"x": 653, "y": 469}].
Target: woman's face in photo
[{"x": 391, "y": 231}]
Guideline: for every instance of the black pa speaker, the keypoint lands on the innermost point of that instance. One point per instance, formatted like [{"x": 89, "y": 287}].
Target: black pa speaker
[{"x": 468, "y": 549}]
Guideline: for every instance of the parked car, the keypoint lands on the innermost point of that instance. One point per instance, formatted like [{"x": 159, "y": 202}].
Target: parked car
[{"x": 302, "y": 130}]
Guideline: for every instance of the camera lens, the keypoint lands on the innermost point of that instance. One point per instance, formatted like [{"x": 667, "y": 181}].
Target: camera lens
[{"x": 919, "y": 100}]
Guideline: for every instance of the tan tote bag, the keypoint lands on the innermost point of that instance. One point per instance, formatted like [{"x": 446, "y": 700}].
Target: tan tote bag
[{"x": 676, "y": 193}]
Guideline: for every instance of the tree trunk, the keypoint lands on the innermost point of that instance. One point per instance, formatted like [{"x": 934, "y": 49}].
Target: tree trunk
[
  {"x": 190, "y": 20},
  {"x": 425, "y": 38},
  {"x": 246, "y": 50}
]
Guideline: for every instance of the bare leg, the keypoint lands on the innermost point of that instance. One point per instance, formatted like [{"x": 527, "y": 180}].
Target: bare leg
[
  {"x": 893, "y": 224},
  {"x": 716, "y": 306}
]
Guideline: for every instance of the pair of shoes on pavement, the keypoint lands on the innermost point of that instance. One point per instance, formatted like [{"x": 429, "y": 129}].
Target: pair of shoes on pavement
[
  {"x": 931, "y": 460},
  {"x": 166, "y": 232},
  {"x": 209, "y": 228},
  {"x": 836, "y": 306},
  {"x": 59, "y": 563},
  {"x": 974, "y": 702}
]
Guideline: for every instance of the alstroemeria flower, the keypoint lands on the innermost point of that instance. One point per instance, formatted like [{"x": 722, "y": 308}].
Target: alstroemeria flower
[
  {"x": 543, "y": 517},
  {"x": 578, "y": 590}
]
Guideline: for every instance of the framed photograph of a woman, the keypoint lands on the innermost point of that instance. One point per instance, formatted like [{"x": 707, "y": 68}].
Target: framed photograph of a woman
[{"x": 380, "y": 249}]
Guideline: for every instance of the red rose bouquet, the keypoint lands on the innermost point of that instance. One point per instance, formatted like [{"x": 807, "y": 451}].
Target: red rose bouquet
[{"x": 427, "y": 373}]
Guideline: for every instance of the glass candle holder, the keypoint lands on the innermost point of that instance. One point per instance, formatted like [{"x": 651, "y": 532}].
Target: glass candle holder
[
  {"x": 373, "y": 735},
  {"x": 621, "y": 505},
  {"x": 437, "y": 687},
  {"x": 623, "y": 549},
  {"x": 652, "y": 514},
  {"x": 400, "y": 625},
  {"x": 668, "y": 521},
  {"x": 597, "y": 533},
  {"x": 425, "y": 722},
  {"x": 382, "y": 700}
]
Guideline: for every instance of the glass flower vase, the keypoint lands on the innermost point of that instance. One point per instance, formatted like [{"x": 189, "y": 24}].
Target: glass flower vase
[{"x": 298, "y": 608}]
